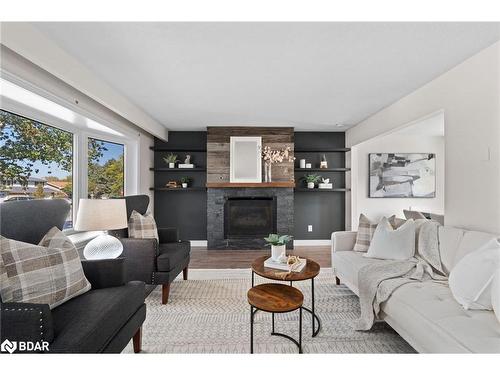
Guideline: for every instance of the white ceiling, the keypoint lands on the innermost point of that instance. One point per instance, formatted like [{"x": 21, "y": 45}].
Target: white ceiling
[{"x": 308, "y": 75}]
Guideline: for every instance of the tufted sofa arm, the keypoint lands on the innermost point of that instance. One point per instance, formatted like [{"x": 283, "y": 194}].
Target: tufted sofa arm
[
  {"x": 343, "y": 241},
  {"x": 26, "y": 322}
]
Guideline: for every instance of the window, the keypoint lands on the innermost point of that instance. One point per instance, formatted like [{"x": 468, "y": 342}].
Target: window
[
  {"x": 36, "y": 161},
  {"x": 105, "y": 169}
]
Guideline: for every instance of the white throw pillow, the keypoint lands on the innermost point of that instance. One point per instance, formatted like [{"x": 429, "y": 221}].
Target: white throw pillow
[
  {"x": 471, "y": 279},
  {"x": 495, "y": 294},
  {"x": 393, "y": 244}
]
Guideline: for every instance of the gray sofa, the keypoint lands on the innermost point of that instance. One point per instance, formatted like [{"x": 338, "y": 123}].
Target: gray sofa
[{"x": 102, "y": 320}]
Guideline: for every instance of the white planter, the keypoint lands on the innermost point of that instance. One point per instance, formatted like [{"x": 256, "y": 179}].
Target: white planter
[
  {"x": 276, "y": 252},
  {"x": 171, "y": 165},
  {"x": 302, "y": 163},
  {"x": 310, "y": 185},
  {"x": 184, "y": 185}
]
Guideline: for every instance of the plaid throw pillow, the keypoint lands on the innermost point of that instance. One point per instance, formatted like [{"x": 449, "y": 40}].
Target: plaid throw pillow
[
  {"x": 366, "y": 229},
  {"x": 50, "y": 273},
  {"x": 142, "y": 226}
]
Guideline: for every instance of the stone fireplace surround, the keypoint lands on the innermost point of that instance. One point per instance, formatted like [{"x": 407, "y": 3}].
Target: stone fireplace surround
[{"x": 216, "y": 199}]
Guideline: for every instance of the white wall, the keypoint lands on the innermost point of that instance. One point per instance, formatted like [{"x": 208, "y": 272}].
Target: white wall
[
  {"x": 469, "y": 96},
  {"x": 375, "y": 208}
]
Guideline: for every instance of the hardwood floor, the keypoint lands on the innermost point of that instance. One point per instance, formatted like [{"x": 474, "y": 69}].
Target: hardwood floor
[{"x": 201, "y": 257}]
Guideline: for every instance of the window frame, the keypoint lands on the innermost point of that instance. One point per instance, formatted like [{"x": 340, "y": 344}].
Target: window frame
[{"x": 129, "y": 140}]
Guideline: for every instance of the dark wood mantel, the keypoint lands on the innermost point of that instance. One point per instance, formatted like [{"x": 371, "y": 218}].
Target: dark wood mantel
[{"x": 277, "y": 184}]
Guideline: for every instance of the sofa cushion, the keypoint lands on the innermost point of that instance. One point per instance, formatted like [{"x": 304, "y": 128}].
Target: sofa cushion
[
  {"x": 435, "y": 322},
  {"x": 471, "y": 279},
  {"x": 142, "y": 226},
  {"x": 449, "y": 240},
  {"x": 393, "y": 244},
  {"x": 172, "y": 254},
  {"x": 348, "y": 263},
  {"x": 472, "y": 241},
  {"x": 50, "y": 273},
  {"x": 366, "y": 230},
  {"x": 87, "y": 323}
]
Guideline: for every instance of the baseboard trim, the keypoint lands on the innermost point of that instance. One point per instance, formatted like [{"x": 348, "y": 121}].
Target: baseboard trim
[
  {"x": 203, "y": 243},
  {"x": 312, "y": 242}
]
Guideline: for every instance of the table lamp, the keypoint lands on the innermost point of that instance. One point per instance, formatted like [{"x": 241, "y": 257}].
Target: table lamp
[{"x": 102, "y": 214}]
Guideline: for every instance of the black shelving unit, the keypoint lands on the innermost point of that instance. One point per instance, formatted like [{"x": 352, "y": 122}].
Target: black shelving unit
[
  {"x": 322, "y": 169},
  {"x": 317, "y": 190},
  {"x": 173, "y": 170},
  {"x": 179, "y": 189},
  {"x": 322, "y": 150}
]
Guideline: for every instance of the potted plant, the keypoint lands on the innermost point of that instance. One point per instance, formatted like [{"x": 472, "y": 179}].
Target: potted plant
[
  {"x": 171, "y": 159},
  {"x": 278, "y": 245},
  {"x": 185, "y": 181},
  {"x": 311, "y": 180}
]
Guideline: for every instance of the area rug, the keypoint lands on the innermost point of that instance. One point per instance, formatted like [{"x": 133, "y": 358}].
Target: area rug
[{"x": 210, "y": 314}]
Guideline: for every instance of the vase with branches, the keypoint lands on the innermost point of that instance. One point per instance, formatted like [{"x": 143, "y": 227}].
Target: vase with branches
[{"x": 271, "y": 157}]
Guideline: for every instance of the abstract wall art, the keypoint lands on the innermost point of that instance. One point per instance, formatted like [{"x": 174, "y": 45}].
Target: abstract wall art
[{"x": 402, "y": 175}]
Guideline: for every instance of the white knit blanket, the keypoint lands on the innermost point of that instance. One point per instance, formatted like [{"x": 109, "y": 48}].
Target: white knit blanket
[{"x": 379, "y": 280}]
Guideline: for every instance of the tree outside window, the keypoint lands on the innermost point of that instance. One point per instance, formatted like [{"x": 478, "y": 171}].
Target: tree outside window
[
  {"x": 36, "y": 161},
  {"x": 105, "y": 169}
]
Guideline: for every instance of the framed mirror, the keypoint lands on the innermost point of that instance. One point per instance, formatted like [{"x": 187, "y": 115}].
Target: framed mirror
[{"x": 245, "y": 159}]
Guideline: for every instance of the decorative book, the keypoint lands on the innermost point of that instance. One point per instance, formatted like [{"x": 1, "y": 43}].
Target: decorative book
[
  {"x": 270, "y": 263},
  {"x": 186, "y": 165}
]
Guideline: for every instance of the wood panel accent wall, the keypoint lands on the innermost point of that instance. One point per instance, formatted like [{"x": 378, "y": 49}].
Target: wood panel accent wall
[{"x": 218, "y": 142}]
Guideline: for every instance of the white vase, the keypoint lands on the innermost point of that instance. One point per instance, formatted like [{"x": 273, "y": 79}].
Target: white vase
[
  {"x": 310, "y": 185},
  {"x": 276, "y": 252},
  {"x": 171, "y": 165},
  {"x": 302, "y": 163},
  {"x": 184, "y": 185}
]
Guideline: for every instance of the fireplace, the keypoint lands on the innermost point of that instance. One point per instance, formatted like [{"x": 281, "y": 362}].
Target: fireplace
[
  {"x": 249, "y": 217},
  {"x": 239, "y": 218}
]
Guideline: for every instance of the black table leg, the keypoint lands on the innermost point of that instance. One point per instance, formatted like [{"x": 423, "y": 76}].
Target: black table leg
[
  {"x": 253, "y": 278},
  {"x": 273, "y": 322},
  {"x": 312, "y": 305},
  {"x": 300, "y": 330},
  {"x": 251, "y": 329}
]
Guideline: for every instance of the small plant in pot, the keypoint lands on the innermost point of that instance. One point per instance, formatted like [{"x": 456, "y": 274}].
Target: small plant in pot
[
  {"x": 278, "y": 245},
  {"x": 311, "y": 180},
  {"x": 170, "y": 159},
  {"x": 185, "y": 181}
]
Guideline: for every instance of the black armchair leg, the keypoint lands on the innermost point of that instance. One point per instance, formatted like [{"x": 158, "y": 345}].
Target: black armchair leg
[
  {"x": 165, "y": 290},
  {"x": 137, "y": 340},
  {"x": 185, "y": 273}
]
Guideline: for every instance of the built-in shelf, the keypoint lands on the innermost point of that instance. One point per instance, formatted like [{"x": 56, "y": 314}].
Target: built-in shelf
[
  {"x": 277, "y": 184},
  {"x": 323, "y": 150},
  {"x": 161, "y": 149},
  {"x": 322, "y": 169},
  {"x": 178, "y": 169},
  {"x": 196, "y": 188},
  {"x": 316, "y": 190}
]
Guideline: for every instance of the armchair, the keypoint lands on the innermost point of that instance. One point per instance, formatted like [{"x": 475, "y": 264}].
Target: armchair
[
  {"x": 102, "y": 320},
  {"x": 154, "y": 262}
]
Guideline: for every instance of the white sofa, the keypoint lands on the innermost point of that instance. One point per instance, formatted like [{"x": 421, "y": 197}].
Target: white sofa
[{"x": 425, "y": 314}]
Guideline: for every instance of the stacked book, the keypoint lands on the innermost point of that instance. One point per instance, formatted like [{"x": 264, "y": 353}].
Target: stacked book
[{"x": 297, "y": 267}]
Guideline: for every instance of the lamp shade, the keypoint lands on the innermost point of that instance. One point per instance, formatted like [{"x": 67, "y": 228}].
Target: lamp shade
[{"x": 101, "y": 214}]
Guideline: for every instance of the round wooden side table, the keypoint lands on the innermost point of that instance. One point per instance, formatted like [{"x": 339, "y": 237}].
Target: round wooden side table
[
  {"x": 310, "y": 271},
  {"x": 275, "y": 299}
]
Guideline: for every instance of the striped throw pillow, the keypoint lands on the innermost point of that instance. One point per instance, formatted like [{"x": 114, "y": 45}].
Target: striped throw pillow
[
  {"x": 366, "y": 229},
  {"x": 48, "y": 273},
  {"x": 142, "y": 226}
]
